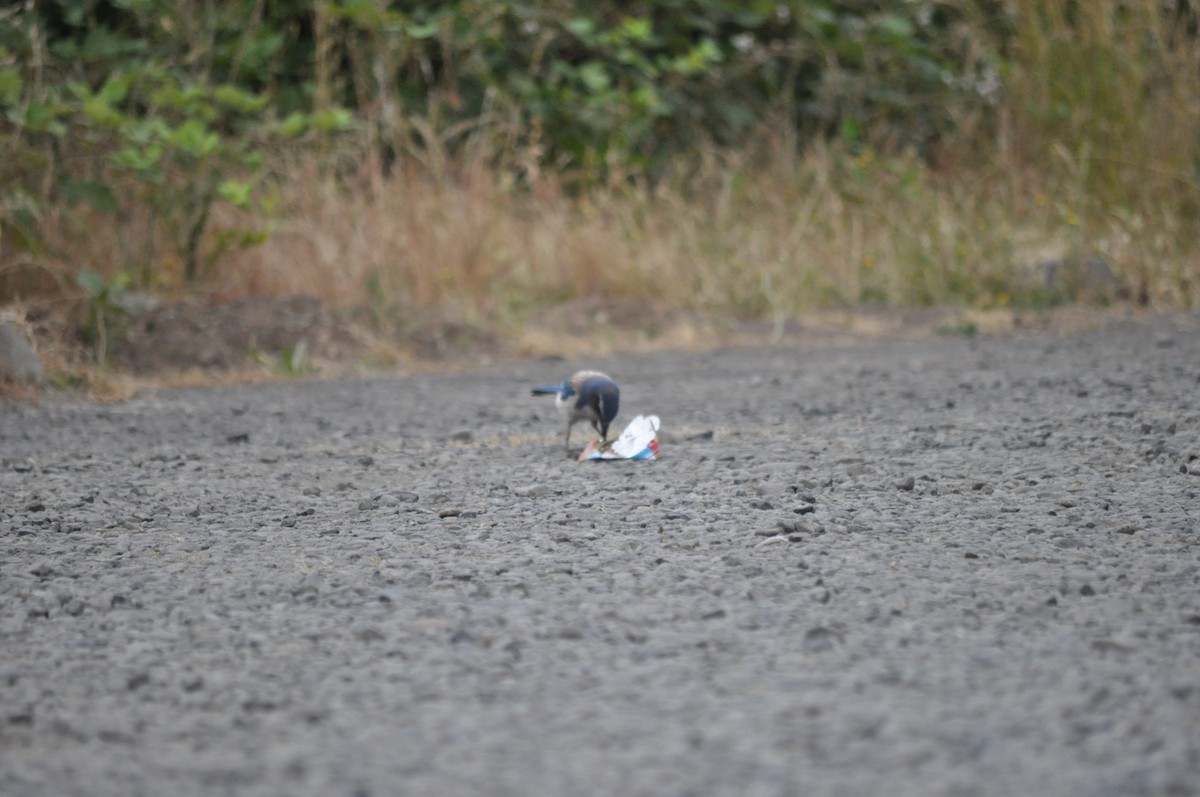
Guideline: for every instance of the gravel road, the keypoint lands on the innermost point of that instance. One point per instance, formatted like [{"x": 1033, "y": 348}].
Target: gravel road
[{"x": 942, "y": 567}]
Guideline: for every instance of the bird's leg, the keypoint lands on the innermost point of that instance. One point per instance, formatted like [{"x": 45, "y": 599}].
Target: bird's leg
[{"x": 569, "y": 437}]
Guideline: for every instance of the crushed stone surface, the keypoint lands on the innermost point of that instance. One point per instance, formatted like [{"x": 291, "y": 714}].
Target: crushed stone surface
[{"x": 947, "y": 567}]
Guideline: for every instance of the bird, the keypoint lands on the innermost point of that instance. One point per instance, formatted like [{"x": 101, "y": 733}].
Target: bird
[{"x": 585, "y": 396}]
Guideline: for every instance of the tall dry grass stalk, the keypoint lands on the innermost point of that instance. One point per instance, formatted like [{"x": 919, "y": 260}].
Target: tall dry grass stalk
[
  {"x": 1104, "y": 99},
  {"x": 734, "y": 237}
]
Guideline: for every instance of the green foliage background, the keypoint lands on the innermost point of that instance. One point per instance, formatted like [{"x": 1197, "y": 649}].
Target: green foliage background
[{"x": 155, "y": 112}]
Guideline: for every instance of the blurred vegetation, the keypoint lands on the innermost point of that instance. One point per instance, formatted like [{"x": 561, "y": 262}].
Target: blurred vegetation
[{"x": 750, "y": 158}]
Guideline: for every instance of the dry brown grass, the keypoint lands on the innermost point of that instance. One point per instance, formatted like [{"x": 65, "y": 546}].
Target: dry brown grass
[
  {"x": 1092, "y": 149},
  {"x": 734, "y": 239}
]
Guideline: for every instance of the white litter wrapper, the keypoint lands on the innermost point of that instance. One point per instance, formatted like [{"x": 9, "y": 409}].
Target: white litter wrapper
[{"x": 638, "y": 441}]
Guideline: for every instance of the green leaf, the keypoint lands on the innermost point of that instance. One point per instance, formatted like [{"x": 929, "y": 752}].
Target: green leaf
[
  {"x": 10, "y": 86},
  {"x": 95, "y": 193},
  {"x": 295, "y": 124},
  {"x": 594, "y": 76},
  {"x": 97, "y": 110},
  {"x": 294, "y": 358},
  {"x": 637, "y": 29},
  {"x": 41, "y": 117},
  {"x": 332, "y": 119},
  {"x": 424, "y": 30},
  {"x": 78, "y": 89},
  {"x": 19, "y": 229},
  {"x": 139, "y": 159},
  {"x": 851, "y": 131},
  {"x": 145, "y": 131},
  {"x": 103, "y": 45},
  {"x": 236, "y": 192},
  {"x": 238, "y": 99},
  {"x": 582, "y": 28},
  {"x": 194, "y": 138},
  {"x": 115, "y": 89},
  {"x": 896, "y": 26},
  {"x": 91, "y": 281},
  {"x": 363, "y": 13}
]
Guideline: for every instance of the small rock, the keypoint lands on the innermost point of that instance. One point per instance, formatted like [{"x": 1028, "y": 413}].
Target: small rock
[
  {"x": 450, "y": 512},
  {"x": 368, "y": 634},
  {"x": 1110, "y": 646},
  {"x": 530, "y": 490},
  {"x": 705, "y": 435},
  {"x": 820, "y": 639},
  {"x": 907, "y": 484},
  {"x": 462, "y": 436},
  {"x": 18, "y": 361},
  {"x": 240, "y": 437},
  {"x": 20, "y": 716},
  {"x": 1080, "y": 278},
  {"x": 42, "y": 569},
  {"x": 366, "y": 461},
  {"x": 760, "y": 503}
]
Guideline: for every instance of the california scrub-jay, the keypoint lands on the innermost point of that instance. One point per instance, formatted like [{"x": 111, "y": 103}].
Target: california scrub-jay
[{"x": 586, "y": 396}]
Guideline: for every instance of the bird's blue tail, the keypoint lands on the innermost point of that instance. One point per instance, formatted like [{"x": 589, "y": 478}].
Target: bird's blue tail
[{"x": 546, "y": 389}]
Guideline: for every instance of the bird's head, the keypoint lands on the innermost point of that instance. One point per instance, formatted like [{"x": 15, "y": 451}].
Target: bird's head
[{"x": 599, "y": 394}]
